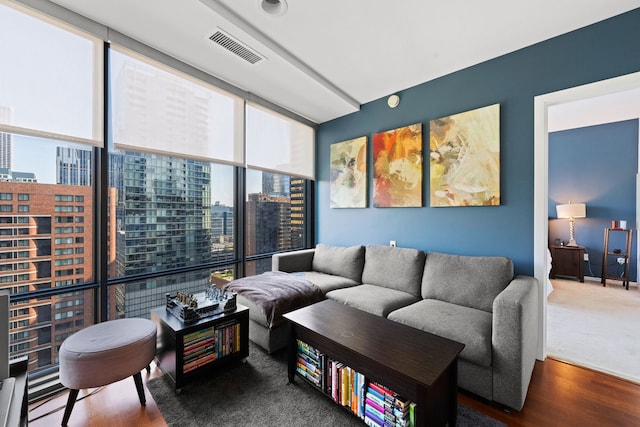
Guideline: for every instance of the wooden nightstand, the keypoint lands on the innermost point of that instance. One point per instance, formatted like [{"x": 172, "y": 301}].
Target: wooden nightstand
[{"x": 567, "y": 261}]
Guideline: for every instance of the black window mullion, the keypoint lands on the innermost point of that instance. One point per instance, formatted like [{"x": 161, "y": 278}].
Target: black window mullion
[
  {"x": 309, "y": 214},
  {"x": 240, "y": 186},
  {"x": 101, "y": 173}
]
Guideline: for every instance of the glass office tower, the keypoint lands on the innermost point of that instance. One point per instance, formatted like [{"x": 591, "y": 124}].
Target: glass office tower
[{"x": 163, "y": 222}]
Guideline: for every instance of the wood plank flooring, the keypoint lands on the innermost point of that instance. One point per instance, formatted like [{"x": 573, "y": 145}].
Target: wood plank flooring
[{"x": 559, "y": 395}]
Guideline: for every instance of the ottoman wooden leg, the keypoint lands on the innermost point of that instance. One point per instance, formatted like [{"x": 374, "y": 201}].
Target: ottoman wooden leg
[
  {"x": 138, "y": 380},
  {"x": 73, "y": 395}
]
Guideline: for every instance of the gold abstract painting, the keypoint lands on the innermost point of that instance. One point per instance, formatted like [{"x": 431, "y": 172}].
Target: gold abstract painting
[
  {"x": 464, "y": 154},
  {"x": 348, "y": 174},
  {"x": 397, "y": 167}
]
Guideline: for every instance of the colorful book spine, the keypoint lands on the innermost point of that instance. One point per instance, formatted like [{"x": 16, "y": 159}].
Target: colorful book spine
[
  {"x": 310, "y": 364},
  {"x": 373, "y": 418},
  {"x": 386, "y": 406},
  {"x": 375, "y": 404}
]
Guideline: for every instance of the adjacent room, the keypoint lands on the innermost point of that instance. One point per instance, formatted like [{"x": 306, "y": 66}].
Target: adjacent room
[
  {"x": 337, "y": 213},
  {"x": 590, "y": 324}
]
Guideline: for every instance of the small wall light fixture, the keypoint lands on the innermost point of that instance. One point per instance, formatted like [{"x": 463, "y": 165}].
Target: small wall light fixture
[
  {"x": 393, "y": 101},
  {"x": 572, "y": 211}
]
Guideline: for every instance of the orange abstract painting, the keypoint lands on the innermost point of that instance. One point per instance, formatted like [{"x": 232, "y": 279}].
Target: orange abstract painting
[{"x": 397, "y": 167}]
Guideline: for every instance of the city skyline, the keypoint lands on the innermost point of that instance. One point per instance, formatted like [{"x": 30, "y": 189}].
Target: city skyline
[
  {"x": 157, "y": 219},
  {"x": 29, "y": 152}
]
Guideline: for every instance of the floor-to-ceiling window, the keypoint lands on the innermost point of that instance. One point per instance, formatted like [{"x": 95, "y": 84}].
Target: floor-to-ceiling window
[
  {"x": 50, "y": 125},
  {"x": 176, "y": 142},
  {"x": 101, "y": 221},
  {"x": 279, "y": 156}
]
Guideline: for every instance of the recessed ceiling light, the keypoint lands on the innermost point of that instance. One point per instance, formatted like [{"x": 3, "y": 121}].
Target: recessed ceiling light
[{"x": 274, "y": 7}]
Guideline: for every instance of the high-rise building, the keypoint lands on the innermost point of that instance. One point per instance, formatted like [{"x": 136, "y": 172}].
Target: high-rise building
[
  {"x": 13, "y": 176},
  {"x": 6, "y": 139},
  {"x": 268, "y": 228},
  {"x": 74, "y": 166},
  {"x": 46, "y": 241},
  {"x": 163, "y": 221},
  {"x": 275, "y": 184},
  {"x": 222, "y": 232},
  {"x": 297, "y": 213}
]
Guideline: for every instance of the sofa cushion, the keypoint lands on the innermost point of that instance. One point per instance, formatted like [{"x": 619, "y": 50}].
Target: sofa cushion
[
  {"x": 339, "y": 261},
  {"x": 395, "y": 268},
  {"x": 468, "y": 326},
  {"x": 327, "y": 282},
  {"x": 471, "y": 281},
  {"x": 372, "y": 299}
]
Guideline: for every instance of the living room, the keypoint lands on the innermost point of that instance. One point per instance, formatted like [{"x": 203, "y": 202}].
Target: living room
[{"x": 596, "y": 52}]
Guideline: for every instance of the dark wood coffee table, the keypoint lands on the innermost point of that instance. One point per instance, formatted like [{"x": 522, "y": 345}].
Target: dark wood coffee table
[{"x": 419, "y": 366}]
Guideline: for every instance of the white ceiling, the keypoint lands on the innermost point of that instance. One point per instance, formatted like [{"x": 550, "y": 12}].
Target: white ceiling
[
  {"x": 325, "y": 58},
  {"x": 611, "y": 108}
]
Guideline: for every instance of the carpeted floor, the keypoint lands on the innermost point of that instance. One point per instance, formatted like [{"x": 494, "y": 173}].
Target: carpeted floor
[
  {"x": 596, "y": 327},
  {"x": 257, "y": 393}
]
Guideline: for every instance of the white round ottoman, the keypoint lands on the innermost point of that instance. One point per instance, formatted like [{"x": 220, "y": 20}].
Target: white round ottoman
[{"x": 105, "y": 353}]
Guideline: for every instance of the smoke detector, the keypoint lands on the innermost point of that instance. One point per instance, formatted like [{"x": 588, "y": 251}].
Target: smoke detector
[{"x": 274, "y": 7}]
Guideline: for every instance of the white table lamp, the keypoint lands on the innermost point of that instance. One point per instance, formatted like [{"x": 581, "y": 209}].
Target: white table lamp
[{"x": 572, "y": 211}]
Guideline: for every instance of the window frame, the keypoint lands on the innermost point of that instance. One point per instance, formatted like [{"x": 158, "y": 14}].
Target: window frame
[{"x": 101, "y": 284}]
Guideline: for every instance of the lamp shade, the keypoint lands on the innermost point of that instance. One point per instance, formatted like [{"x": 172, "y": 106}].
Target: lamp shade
[{"x": 572, "y": 210}]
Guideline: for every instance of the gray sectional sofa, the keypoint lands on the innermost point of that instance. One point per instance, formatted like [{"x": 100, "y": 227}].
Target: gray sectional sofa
[{"x": 473, "y": 300}]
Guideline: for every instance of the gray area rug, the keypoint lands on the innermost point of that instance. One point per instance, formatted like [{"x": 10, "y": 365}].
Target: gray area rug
[{"x": 256, "y": 393}]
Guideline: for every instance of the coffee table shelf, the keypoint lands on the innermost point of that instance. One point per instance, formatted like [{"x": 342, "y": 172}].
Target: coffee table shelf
[{"x": 419, "y": 366}]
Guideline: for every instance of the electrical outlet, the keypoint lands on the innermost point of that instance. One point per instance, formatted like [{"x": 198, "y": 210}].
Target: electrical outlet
[
  {"x": 392, "y": 243},
  {"x": 586, "y": 257}
]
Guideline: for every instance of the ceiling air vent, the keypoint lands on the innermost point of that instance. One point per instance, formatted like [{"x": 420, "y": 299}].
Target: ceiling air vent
[{"x": 236, "y": 47}]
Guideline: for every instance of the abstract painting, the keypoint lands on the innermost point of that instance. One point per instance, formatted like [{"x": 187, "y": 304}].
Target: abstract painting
[
  {"x": 397, "y": 167},
  {"x": 464, "y": 154},
  {"x": 348, "y": 174}
]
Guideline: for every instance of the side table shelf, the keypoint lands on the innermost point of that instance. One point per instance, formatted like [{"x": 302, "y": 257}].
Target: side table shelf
[
  {"x": 186, "y": 350},
  {"x": 608, "y": 254}
]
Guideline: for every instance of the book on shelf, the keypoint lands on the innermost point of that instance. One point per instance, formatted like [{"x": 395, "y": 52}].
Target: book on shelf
[
  {"x": 385, "y": 406},
  {"x": 187, "y": 367},
  {"x": 190, "y": 348},
  {"x": 372, "y": 420},
  {"x": 309, "y": 370},
  {"x": 375, "y": 404},
  {"x": 336, "y": 367},
  {"x": 345, "y": 386},
  {"x": 310, "y": 364},
  {"x": 228, "y": 338},
  {"x": 195, "y": 335},
  {"x": 200, "y": 353},
  {"x": 308, "y": 351}
]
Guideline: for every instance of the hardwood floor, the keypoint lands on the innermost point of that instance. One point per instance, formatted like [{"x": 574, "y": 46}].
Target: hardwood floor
[{"x": 559, "y": 395}]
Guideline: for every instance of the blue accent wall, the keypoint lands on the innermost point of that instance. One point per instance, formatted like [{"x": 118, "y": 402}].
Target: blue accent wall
[
  {"x": 595, "y": 165},
  {"x": 604, "y": 50}
]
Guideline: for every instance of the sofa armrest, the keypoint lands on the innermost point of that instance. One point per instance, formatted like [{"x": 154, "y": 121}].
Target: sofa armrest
[
  {"x": 515, "y": 338},
  {"x": 291, "y": 262}
]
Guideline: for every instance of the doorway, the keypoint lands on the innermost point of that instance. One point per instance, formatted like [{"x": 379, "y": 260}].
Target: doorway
[{"x": 542, "y": 104}]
